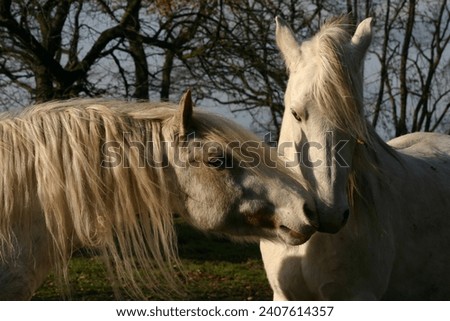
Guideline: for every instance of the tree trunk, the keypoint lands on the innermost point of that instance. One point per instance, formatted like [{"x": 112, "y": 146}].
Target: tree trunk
[
  {"x": 141, "y": 84},
  {"x": 401, "y": 128},
  {"x": 166, "y": 71}
]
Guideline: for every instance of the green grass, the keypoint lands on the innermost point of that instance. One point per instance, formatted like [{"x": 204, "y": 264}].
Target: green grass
[{"x": 215, "y": 269}]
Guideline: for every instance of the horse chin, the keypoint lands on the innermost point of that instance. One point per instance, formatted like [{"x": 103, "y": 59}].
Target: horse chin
[{"x": 295, "y": 238}]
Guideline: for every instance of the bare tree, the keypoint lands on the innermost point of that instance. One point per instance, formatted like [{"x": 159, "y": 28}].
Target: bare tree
[
  {"x": 413, "y": 55},
  {"x": 61, "y": 49},
  {"x": 240, "y": 66},
  {"x": 224, "y": 50},
  {"x": 45, "y": 38}
]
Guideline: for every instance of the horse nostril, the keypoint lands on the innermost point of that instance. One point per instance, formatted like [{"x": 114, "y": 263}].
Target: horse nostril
[
  {"x": 310, "y": 215},
  {"x": 346, "y": 214}
]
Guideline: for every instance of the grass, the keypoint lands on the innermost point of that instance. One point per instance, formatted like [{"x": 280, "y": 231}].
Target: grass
[{"x": 215, "y": 269}]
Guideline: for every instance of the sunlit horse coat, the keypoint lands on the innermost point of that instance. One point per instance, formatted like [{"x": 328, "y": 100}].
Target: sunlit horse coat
[{"x": 384, "y": 209}]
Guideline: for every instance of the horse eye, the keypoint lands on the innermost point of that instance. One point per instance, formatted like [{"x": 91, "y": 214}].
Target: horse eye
[
  {"x": 216, "y": 162},
  {"x": 296, "y": 116},
  {"x": 220, "y": 162}
]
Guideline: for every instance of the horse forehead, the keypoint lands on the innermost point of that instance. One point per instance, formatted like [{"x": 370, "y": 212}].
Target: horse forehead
[
  {"x": 306, "y": 68},
  {"x": 309, "y": 53},
  {"x": 300, "y": 84}
]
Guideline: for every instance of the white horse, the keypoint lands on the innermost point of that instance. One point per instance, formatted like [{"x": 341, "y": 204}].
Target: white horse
[
  {"x": 109, "y": 175},
  {"x": 388, "y": 205}
]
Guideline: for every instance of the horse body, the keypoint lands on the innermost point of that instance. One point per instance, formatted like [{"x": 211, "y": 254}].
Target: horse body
[
  {"x": 109, "y": 176},
  {"x": 423, "y": 205},
  {"x": 395, "y": 242}
]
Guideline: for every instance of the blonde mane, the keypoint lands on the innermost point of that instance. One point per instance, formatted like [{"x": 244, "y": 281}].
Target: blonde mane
[
  {"x": 338, "y": 85},
  {"x": 50, "y": 158}
]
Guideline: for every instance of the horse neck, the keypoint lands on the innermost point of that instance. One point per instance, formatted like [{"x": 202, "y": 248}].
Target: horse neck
[{"x": 373, "y": 163}]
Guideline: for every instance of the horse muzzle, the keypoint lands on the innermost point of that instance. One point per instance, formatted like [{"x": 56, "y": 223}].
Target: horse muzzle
[{"x": 292, "y": 237}]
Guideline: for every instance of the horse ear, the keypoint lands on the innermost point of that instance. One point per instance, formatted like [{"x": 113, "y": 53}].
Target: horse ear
[
  {"x": 363, "y": 37},
  {"x": 185, "y": 111},
  {"x": 289, "y": 47}
]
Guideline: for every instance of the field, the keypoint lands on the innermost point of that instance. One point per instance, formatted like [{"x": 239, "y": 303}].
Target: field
[{"x": 215, "y": 269}]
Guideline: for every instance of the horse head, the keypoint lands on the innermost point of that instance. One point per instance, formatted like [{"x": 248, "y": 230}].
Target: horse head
[
  {"x": 232, "y": 183},
  {"x": 323, "y": 119}
]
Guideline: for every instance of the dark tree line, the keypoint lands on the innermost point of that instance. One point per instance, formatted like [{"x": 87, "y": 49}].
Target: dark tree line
[{"x": 223, "y": 49}]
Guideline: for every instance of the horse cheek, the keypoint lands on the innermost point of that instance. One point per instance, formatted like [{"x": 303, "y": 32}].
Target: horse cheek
[{"x": 208, "y": 201}]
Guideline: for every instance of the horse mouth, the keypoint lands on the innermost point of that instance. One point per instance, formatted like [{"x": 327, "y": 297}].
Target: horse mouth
[{"x": 294, "y": 238}]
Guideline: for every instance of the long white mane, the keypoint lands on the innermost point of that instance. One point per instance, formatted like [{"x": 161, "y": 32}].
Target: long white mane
[{"x": 50, "y": 160}]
